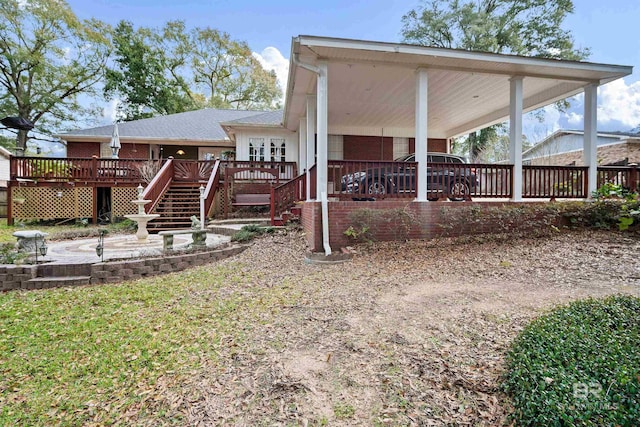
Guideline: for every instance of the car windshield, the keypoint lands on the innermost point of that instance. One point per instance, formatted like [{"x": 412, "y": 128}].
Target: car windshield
[
  {"x": 406, "y": 158},
  {"x": 433, "y": 158}
]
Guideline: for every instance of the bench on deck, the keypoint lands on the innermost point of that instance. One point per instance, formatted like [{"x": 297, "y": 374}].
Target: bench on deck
[
  {"x": 198, "y": 237},
  {"x": 252, "y": 200}
]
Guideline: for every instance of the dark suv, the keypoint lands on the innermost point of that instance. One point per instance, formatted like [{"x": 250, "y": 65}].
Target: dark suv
[{"x": 446, "y": 177}]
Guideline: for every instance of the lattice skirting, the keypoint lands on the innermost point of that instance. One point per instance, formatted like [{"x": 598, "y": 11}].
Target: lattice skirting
[
  {"x": 31, "y": 203},
  {"x": 121, "y": 198}
]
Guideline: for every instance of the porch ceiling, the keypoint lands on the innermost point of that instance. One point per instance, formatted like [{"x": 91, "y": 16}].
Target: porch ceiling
[{"x": 372, "y": 85}]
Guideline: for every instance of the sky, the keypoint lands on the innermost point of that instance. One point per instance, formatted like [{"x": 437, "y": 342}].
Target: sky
[{"x": 608, "y": 28}]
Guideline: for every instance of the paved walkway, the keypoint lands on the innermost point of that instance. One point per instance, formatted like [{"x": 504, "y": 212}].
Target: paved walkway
[
  {"x": 118, "y": 247},
  {"x": 80, "y": 251}
]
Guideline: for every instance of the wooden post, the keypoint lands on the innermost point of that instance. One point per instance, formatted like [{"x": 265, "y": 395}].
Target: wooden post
[
  {"x": 94, "y": 220},
  {"x": 94, "y": 167},
  {"x": 634, "y": 177},
  {"x": 272, "y": 199},
  {"x": 9, "y": 203}
]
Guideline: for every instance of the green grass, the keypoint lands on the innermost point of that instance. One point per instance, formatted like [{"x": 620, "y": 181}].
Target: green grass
[
  {"x": 82, "y": 355},
  {"x": 578, "y": 365}
]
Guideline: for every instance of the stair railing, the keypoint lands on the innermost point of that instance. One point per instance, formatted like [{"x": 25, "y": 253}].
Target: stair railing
[
  {"x": 212, "y": 187},
  {"x": 286, "y": 195},
  {"x": 159, "y": 185}
]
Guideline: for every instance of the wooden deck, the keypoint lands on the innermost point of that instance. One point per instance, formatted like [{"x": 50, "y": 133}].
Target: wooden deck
[{"x": 46, "y": 188}]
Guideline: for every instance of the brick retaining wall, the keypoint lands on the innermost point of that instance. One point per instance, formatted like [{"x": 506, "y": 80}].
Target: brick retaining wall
[
  {"x": 18, "y": 276},
  {"x": 403, "y": 219}
]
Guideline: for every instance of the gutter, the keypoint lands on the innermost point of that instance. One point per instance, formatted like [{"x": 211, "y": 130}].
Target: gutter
[{"x": 323, "y": 196}]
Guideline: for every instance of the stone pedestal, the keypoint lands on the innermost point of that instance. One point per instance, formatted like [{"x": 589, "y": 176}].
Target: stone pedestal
[{"x": 29, "y": 240}]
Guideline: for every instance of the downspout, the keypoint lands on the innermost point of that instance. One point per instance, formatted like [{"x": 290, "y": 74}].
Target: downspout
[{"x": 323, "y": 195}]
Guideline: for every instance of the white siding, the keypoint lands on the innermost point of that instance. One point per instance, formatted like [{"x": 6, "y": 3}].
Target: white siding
[
  {"x": 565, "y": 143},
  {"x": 4, "y": 171},
  {"x": 335, "y": 147},
  {"x": 290, "y": 139},
  {"x": 400, "y": 147}
]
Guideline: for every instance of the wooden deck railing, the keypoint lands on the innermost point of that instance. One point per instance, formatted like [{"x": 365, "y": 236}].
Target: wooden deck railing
[
  {"x": 77, "y": 169},
  {"x": 567, "y": 182},
  {"x": 286, "y": 195},
  {"x": 625, "y": 176},
  {"x": 245, "y": 169},
  {"x": 378, "y": 180},
  {"x": 159, "y": 184},
  {"x": 212, "y": 187},
  {"x": 192, "y": 170}
]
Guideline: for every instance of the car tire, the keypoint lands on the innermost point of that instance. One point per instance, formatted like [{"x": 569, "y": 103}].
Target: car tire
[
  {"x": 458, "y": 191},
  {"x": 377, "y": 188}
]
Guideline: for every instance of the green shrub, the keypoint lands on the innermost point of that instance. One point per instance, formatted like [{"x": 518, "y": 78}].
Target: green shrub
[
  {"x": 578, "y": 365},
  {"x": 602, "y": 214},
  {"x": 251, "y": 231},
  {"x": 10, "y": 255}
]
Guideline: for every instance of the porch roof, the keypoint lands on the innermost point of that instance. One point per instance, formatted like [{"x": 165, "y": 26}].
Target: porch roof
[{"x": 372, "y": 85}]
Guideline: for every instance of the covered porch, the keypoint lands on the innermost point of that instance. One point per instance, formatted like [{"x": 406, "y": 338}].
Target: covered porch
[{"x": 354, "y": 87}]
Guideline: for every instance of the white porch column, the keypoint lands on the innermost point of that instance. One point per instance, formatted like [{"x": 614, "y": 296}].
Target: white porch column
[
  {"x": 311, "y": 139},
  {"x": 590, "y": 152},
  {"x": 302, "y": 145},
  {"x": 323, "y": 130},
  {"x": 422, "y": 85},
  {"x": 515, "y": 136}
]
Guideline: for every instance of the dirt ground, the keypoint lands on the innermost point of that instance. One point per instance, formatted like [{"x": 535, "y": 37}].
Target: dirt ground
[{"x": 403, "y": 334}]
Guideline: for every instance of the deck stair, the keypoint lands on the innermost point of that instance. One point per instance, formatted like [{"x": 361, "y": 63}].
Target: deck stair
[
  {"x": 291, "y": 215},
  {"x": 176, "y": 208}
]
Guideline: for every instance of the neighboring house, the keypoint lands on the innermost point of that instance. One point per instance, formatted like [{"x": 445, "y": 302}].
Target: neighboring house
[
  {"x": 564, "y": 147},
  {"x": 4, "y": 178},
  {"x": 4, "y": 166}
]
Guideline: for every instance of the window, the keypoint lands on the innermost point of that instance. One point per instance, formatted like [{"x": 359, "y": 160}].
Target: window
[
  {"x": 256, "y": 149},
  {"x": 400, "y": 147},
  {"x": 278, "y": 148}
]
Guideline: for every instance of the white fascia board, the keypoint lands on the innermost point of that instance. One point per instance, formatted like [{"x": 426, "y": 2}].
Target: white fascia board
[
  {"x": 466, "y": 55},
  {"x": 291, "y": 80},
  {"x": 141, "y": 140}
]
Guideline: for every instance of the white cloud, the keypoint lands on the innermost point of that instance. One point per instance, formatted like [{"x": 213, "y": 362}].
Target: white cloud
[
  {"x": 110, "y": 111},
  {"x": 618, "y": 110},
  {"x": 619, "y": 105},
  {"x": 538, "y": 126},
  {"x": 575, "y": 119},
  {"x": 271, "y": 59}
]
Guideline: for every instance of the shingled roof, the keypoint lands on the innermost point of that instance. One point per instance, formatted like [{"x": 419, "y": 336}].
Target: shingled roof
[
  {"x": 199, "y": 125},
  {"x": 273, "y": 118}
]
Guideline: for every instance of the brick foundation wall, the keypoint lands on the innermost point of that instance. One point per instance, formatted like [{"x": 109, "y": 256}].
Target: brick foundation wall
[{"x": 403, "y": 219}]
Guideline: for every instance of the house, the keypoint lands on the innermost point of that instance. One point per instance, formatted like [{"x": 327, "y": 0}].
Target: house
[
  {"x": 207, "y": 133},
  {"x": 4, "y": 178},
  {"x": 193, "y": 135},
  {"x": 565, "y": 147},
  {"x": 4, "y": 166},
  {"x": 350, "y": 106}
]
